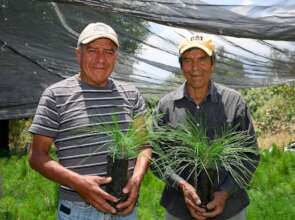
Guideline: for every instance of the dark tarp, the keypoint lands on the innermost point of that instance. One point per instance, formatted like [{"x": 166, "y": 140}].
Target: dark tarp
[
  {"x": 275, "y": 22},
  {"x": 38, "y": 38}
]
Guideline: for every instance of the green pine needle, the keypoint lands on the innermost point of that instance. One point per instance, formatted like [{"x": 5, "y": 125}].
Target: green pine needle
[{"x": 187, "y": 146}]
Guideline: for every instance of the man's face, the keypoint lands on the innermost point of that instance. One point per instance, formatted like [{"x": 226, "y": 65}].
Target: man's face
[
  {"x": 197, "y": 68},
  {"x": 97, "y": 60}
]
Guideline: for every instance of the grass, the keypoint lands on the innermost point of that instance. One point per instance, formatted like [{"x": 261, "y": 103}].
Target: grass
[
  {"x": 25, "y": 195},
  {"x": 272, "y": 191},
  {"x": 149, "y": 200}
]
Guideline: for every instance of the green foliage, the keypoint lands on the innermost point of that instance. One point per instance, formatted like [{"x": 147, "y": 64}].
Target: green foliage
[
  {"x": 18, "y": 134},
  {"x": 272, "y": 190},
  {"x": 152, "y": 101},
  {"x": 149, "y": 200},
  {"x": 192, "y": 148},
  {"x": 125, "y": 144},
  {"x": 25, "y": 193},
  {"x": 273, "y": 108}
]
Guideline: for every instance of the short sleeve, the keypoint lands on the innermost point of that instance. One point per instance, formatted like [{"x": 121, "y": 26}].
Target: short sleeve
[
  {"x": 139, "y": 104},
  {"x": 46, "y": 119}
]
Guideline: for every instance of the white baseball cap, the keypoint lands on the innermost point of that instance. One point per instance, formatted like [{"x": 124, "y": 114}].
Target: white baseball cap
[
  {"x": 97, "y": 30},
  {"x": 199, "y": 41}
]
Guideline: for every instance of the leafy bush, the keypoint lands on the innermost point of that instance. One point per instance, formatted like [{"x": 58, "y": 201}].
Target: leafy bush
[
  {"x": 273, "y": 108},
  {"x": 18, "y": 134}
]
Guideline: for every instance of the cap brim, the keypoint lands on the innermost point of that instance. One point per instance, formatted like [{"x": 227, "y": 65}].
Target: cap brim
[
  {"x": 94, "y": 37},
  {"x": 196, "y": 45}
]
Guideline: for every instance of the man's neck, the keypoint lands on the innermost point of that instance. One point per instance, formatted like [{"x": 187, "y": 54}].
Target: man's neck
[
  {"x": 197, "y": 94},
  {"x": 83, "y": 78}
]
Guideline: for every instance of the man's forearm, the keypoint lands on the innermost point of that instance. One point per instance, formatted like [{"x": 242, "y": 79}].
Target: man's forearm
[
  {"x": 53, "y": 170},
  {"x": 142, "y": 163}
]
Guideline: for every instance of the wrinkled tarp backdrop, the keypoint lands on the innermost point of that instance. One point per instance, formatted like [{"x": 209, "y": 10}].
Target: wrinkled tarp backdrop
[{"x": 38, "y": 39}]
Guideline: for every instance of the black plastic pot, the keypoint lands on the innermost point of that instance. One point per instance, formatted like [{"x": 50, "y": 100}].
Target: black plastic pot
[
  {"x": 118, "y": 170},
  {"x": 205, "y": 187}
]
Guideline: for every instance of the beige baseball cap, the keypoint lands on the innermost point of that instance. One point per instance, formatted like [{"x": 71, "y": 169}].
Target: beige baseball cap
[
  {"x": 97, "y": 30},
  {"x": 199, "y": 41}
]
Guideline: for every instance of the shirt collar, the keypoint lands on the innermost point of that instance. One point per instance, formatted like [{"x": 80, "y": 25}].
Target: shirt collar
[
  {"x": 181, "y": 92},
  {"x": 109, "y": 86}
]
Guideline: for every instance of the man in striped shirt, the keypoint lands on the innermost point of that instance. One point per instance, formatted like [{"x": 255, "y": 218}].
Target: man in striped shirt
[{"x": 66, "y": 112}]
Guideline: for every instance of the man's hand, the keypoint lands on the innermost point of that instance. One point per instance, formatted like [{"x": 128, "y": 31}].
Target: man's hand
[
  {"x": 133, "y": 184},
  {"x": 192, "y": 200},
  {"x": 216, "y": 206},
  {"x": 89, "y": 189},
  {"x": 87, "y": 186},
  {"x": 132, "y": 189}
]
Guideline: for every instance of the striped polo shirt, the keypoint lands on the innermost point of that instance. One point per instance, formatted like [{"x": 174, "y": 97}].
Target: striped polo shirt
[{"x": 73, "y": 113}]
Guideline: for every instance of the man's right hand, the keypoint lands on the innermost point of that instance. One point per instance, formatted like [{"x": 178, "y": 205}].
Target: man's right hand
[
  {"x": 89, "y": 189},
  {"x": 87, "y": 186},
  {"x": 192, "y": 200}
]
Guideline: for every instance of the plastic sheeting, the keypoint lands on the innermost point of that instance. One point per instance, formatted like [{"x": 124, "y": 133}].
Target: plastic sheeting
[
  {"x": 275, "y": 22},
  {"x": 38, "y": 38}
]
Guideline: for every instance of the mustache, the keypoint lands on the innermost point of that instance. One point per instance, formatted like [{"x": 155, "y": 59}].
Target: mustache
[{"x": 197, "y": 73}]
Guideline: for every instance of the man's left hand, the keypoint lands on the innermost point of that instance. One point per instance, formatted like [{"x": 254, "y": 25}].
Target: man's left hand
[
  {"x": 216, "y": 206},
  {"x": 132, "y": 189}
]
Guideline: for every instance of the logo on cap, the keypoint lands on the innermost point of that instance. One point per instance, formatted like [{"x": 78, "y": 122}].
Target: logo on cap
[
  {"x": 196, "y": 37},
  {"x": 197, "y": 41}
]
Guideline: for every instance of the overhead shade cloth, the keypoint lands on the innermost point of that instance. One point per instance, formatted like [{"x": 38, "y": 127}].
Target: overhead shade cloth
[
  {"x": 38, "y": 40},
  {"x": 274, "y": 22}
]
